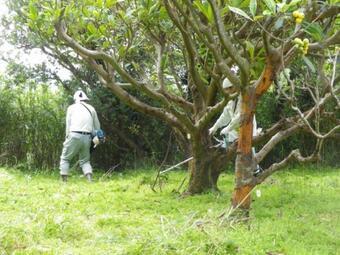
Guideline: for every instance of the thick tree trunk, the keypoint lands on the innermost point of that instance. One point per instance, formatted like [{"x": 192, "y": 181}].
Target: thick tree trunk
[
  {"x": 200, "y": 176},
  {"x": 245, "y": 164},
  {"x": 205, "y": 167}
]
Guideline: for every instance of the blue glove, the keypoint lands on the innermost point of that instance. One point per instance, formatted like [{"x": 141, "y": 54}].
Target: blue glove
[{"x": 101, "y": 135}]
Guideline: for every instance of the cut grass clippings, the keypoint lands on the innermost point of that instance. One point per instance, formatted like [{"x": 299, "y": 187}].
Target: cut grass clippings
[{"x": 297, "y": 213}]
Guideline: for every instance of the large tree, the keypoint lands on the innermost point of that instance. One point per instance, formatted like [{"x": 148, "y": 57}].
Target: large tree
[{"x": 178, "y": 52}]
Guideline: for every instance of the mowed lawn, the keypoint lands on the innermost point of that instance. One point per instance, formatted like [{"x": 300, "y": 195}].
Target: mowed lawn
[{"x": 297, "y": 212}]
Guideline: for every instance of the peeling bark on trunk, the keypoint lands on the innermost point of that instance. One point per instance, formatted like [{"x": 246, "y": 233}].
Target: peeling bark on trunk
[{"x": 245, "y": 162}]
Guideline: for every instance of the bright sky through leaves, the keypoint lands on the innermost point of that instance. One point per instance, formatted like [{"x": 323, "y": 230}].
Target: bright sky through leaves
[{"x": 34, "y": 57}]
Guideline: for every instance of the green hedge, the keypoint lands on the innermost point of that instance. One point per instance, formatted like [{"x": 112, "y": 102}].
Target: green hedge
[{"x": 32, "y": 124}]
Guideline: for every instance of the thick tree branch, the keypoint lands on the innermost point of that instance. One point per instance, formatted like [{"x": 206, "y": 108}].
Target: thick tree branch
[
  {"x": 331, "y": 11},
  {"x": 278, "y": 137},
  {"x": 204, "y": 33},
  {"x": 332, "y": 40},
  {"x": 192, "y": 54},
  {"x": 299, "y": 121},
  {"x": 90, "y": 55},
  {"x": 227, "y": 43},
  {"x": 315, "y": 133},
  {"x": 295, "y": 155},
  {"x": 210, "y": 113},
  {"x": 268, "y": 74},
  {"x": 159, "y": 66}
]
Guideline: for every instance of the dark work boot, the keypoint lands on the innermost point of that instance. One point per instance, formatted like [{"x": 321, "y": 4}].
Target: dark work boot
[
  {"x": 89, "y": 177},
  {"x": 64, "y": 178}
]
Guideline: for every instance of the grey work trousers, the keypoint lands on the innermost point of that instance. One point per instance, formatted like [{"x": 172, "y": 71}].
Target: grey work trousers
[{"x": 74, "y": 144}]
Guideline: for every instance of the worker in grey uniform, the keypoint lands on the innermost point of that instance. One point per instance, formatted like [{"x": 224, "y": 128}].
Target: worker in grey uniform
[
  {"x": 81, "y": 123},
  {"x": 230, "y": 120}
]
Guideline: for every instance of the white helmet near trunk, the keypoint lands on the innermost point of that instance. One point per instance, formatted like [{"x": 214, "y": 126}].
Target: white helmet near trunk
[
  {"x": 227, "y": 84},
  {"x": 80, "y": 96}
]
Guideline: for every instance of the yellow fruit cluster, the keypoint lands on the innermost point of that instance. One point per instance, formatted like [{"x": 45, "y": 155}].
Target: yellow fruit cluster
[
  {"x": 299, "y": 16},
  {"x": 302, "y": 45}
]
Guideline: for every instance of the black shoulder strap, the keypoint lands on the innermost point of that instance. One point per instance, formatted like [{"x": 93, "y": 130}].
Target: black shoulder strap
[
  {"x": 89, "y": 113},
  {"x": 87, "y": 109},
  {"x": 235, "y": 104}
]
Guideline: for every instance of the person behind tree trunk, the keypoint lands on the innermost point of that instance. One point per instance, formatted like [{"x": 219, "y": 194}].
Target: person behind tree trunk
[
  {"x": 81, "y": 123},
  {"x": 230, "y": 119}
]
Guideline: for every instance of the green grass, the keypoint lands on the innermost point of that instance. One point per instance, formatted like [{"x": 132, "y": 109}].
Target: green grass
[{"x": 297, "y": 213}]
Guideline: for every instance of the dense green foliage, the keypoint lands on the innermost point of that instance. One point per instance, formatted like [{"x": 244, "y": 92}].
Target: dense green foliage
[
  {"x": 132, "y": 137},
  {"x": 152, "y": 42},
  {"x": 131, "y": 32},
  {"x": 119, "y": 214},
  {"x": 269, "y": 111},
  {"x": 274, "y": 106},
  {"x": 32, "y": 115},
  {"x": 32, "y": 111},
  {"x": 32, "y": 123}
]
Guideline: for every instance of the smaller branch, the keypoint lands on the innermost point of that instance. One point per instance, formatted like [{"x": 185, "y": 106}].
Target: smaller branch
[
  {"x": 295, "y": 155},
  {"x": 269, "y": 33},
  {"x": 244, "y": 29},
  {"x": 266, "y": 37},
  {"x": 316, "y": 134},
  {"x": 227, "y": 44},
  {"x": 189, "y": 44},
  {"x": 210, "y": 113},
  {"x": 268, "y": 133},
  {"x": 333, "y": 79},
  {"x": 332, "y": 40},
  {"x": 278, "y": 137},
  {"x": 93, "y": 55},
  {"x": 328, "y": 12},
  {"x": 159, "y": 66},
  {"x": 176, "y": 77},
  {"x": 186, "y": 105}
]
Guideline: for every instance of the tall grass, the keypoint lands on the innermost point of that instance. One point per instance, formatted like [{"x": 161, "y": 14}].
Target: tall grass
[
  {"x": 297, "y": 213},
  {"x": 32, "y": 124}
]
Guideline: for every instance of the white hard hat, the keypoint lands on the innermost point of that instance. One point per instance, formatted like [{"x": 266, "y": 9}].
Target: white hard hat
[
  {"x": 80, "y": 96},
  {"x": 227, "y": 84}
]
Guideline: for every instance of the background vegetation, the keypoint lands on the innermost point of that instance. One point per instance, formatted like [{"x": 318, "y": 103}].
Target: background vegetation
[
  {"x": 32, "y": 115},
  {"x": 32, "y": 111}
]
